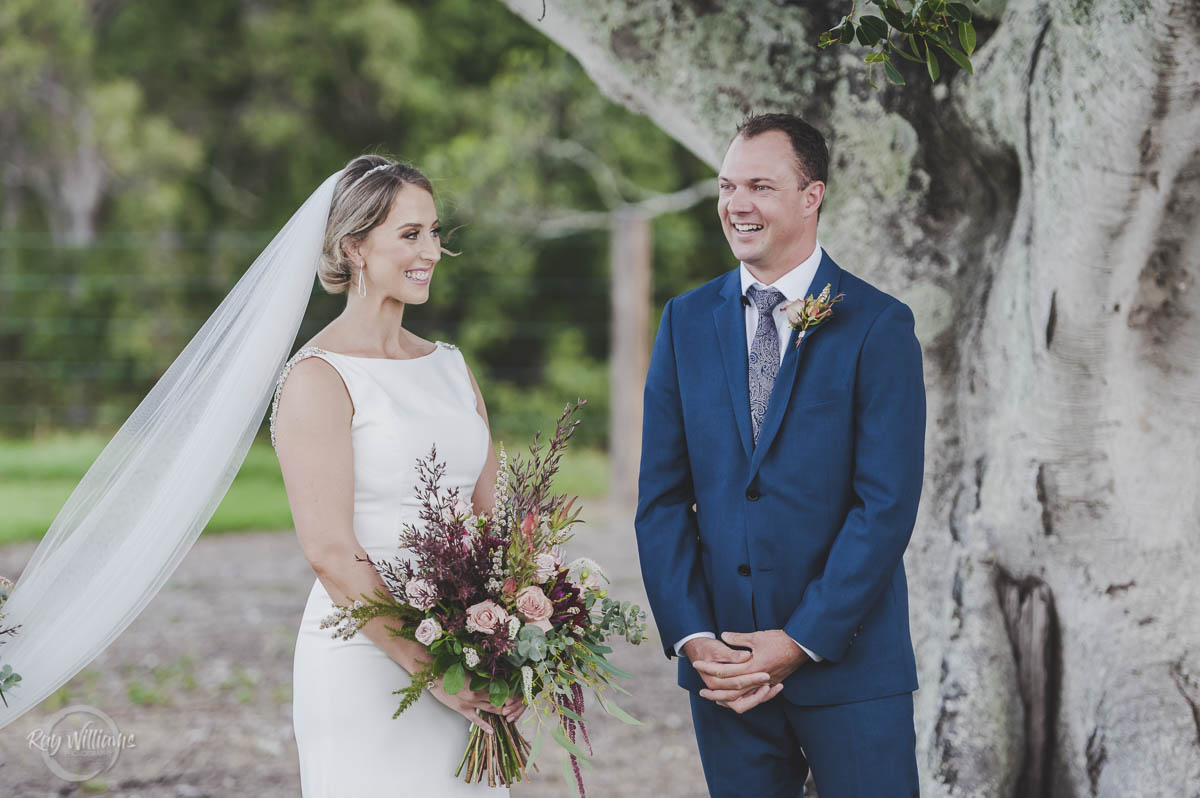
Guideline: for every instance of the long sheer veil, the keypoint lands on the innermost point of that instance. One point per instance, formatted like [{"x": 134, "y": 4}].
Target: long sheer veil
[{"x": 145, "y": 500}]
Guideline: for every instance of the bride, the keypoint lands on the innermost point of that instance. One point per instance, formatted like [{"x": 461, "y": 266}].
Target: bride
[{"x": 355, "y": 409}]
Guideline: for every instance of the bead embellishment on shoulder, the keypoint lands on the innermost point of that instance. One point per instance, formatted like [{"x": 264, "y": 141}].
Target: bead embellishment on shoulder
[
  {"x": 445, "y": 345},
  {"x": 301, "y": 354}
]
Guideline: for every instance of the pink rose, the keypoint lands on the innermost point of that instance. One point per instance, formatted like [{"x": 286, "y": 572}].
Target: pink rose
[
  {"x": 486, "y": 617},
  {"x": 535, "y": 607},
  {"x": 421, "y": 593},
  {"x": 428, "y": 631},
  {"x": 509, "y": 587},
  {"x": 548, "y": 563}
]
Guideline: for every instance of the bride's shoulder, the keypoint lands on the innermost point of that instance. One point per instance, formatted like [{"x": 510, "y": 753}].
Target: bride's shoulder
[{"x": 315, "y": 390}]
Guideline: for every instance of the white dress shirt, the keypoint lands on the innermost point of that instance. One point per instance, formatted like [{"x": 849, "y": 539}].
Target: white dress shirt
[{"x": 793, "y": 285}]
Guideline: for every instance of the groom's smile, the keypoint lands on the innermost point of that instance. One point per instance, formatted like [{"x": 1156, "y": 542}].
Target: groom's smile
[{"x": 769, "y": 220}]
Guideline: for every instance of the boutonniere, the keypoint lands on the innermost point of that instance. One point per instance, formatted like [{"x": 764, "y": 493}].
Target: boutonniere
[{"x": 805, "y": 314}]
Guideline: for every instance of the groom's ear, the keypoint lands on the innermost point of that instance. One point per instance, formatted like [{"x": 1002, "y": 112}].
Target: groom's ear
[{"x": 814, "y": 195}]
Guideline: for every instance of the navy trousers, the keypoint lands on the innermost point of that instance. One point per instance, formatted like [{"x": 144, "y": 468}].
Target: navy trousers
[{"x": 862, "y": 750}]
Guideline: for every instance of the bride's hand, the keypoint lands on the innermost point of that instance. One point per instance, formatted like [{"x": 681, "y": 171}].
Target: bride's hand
[{"x": 469, "y": 703}]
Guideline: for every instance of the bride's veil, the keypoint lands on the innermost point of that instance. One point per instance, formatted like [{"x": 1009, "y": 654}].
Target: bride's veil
[{"x": 150, "y": 493}]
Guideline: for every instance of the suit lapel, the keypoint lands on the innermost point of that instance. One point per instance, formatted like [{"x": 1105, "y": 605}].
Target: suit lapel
[
  {"x": 730, "y": 319},
  {"x": 785, "y": 380}
]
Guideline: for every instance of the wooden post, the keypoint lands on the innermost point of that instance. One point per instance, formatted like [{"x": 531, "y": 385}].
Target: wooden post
[{"x": 631, "y": 249}]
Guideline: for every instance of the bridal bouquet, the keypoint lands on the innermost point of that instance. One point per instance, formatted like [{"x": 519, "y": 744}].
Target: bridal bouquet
[
  {"x": 501, "y": 610},
  {"x": 8, "y": 677}
]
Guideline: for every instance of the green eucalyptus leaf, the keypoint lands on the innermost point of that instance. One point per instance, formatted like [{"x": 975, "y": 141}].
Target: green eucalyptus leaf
[
  {"x": 611, "y": 707},
  {"x": 893, "y": 74},
  {"x": 569, "y": 776},
  {"x": 931, "y": 63},
  {"x": 613, "y": 669},
  {"x": 454, "y": 679},
  {"x": 560, "y": 737},
  {"x": 966, "y": 37}
]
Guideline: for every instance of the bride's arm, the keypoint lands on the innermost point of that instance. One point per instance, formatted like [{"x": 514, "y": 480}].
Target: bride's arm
[
  {"x": 312, "y": 434},
  {"x": 484, "y": 497}
]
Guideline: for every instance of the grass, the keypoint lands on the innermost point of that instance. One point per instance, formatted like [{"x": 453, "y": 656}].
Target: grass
[{"x": 38, "y": 476}]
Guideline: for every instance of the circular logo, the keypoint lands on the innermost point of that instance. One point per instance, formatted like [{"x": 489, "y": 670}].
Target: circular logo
[{"x": 82, "y": 743}]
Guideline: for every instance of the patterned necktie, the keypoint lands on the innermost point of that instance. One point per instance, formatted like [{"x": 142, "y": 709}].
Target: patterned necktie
[{"x": 764, "y": 353}]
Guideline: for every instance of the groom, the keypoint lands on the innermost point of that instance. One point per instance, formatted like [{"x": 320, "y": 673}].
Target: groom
[{"x": 778, "y": 490}]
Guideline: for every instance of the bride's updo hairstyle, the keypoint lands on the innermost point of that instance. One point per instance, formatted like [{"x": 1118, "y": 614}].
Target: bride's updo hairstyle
[{"x": 362, "y": 199}]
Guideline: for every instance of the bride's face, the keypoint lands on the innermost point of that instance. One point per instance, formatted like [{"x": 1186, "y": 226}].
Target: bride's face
[{"x": 400, "y": 253}]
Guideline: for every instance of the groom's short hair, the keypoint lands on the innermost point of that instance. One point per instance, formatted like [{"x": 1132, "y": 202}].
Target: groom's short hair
[{"x": 812, "y": 153}]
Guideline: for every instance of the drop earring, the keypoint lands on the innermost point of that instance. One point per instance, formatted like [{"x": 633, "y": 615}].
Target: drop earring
[{"x": 362, "y": 288}]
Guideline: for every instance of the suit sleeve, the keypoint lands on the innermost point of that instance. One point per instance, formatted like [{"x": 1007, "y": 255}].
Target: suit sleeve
[
  {"x": 667, "y": 535},
  {"x": 889, "y": 456}
]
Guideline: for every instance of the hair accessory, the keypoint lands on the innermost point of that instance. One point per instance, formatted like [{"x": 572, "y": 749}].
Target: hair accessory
[{"x": 375, "y": 169}]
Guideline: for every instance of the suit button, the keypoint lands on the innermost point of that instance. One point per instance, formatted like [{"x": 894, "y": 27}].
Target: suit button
[
  {"x": 743, "y": 570},
  {"x": 753, "y": 495}
]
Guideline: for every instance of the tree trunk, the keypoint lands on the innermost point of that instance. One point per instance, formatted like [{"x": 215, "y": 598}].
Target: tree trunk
[
  {"x": 630, "y": 253},
  {"x": 1042, "y": 219}
]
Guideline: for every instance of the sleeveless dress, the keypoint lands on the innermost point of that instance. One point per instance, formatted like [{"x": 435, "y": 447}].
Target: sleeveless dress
[{"x": 342, "y": 701}]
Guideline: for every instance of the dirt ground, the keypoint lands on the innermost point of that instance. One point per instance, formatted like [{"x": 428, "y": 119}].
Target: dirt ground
[{"x": 202, "y": 679}]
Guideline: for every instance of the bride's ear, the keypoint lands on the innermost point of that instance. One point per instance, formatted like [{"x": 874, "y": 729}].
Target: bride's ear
[{"x": 350, "y": 250}]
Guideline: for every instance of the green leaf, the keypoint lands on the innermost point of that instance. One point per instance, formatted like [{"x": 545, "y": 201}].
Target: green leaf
[
  {"x": 863, "y": 38},
  {"x": 613, "y": 669},
  {"x": 931, "y": 63},
  {"x": 896, "y": 18},
  {"x": 454, "y": 679},
  {"x": 958, "y": 58},
  {"x": 560, "y": 709},
  {"x": 876, "y": 58},
  {"x": 569, "y": 776},
  {"x": 611, "y": 708},
  {"x": 874, "y": 27},
  {"x": 829, "y": 37},
  {"x": 498, "y": 692},
  {"x": 560, "y": 737},
  {"x": 847, "y": 33},
  {"x": 966, "y": 37},
  {"x": 536, "y": 748},
  {"x": 478, "y": 682},
  {"x": 893, "y": 74},
  {"x": 959, "y": 11}
]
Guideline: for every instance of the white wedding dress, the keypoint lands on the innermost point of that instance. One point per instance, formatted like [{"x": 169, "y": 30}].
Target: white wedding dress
[{"x": 342, "y": 700}]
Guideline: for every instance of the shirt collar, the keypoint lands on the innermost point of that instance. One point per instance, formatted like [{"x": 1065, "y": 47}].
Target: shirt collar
[{"x": 792, "y": 285}]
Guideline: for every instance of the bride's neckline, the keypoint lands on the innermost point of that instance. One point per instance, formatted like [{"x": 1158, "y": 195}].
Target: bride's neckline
[{"x": 437, "y": 345}]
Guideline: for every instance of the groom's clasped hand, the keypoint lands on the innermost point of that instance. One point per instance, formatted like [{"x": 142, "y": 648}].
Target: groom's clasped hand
[{"x": 741, "y": 679}]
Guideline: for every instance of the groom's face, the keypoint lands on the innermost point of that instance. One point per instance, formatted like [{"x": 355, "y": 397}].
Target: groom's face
[{"x": 769, "y": 220}]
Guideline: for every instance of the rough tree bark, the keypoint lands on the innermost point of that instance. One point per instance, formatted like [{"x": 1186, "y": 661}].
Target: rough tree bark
[{"x": 1043, "y": 220}]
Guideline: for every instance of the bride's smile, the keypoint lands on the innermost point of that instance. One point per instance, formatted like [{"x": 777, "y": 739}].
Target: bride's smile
[{"x": 399, "y": 255}]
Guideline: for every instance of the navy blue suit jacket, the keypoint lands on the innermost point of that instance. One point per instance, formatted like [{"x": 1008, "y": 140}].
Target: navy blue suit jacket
[{"x": 805, "y": 530}]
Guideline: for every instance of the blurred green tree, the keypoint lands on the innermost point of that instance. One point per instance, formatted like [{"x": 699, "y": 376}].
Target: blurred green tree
[{"x": 151, "y": 150}]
